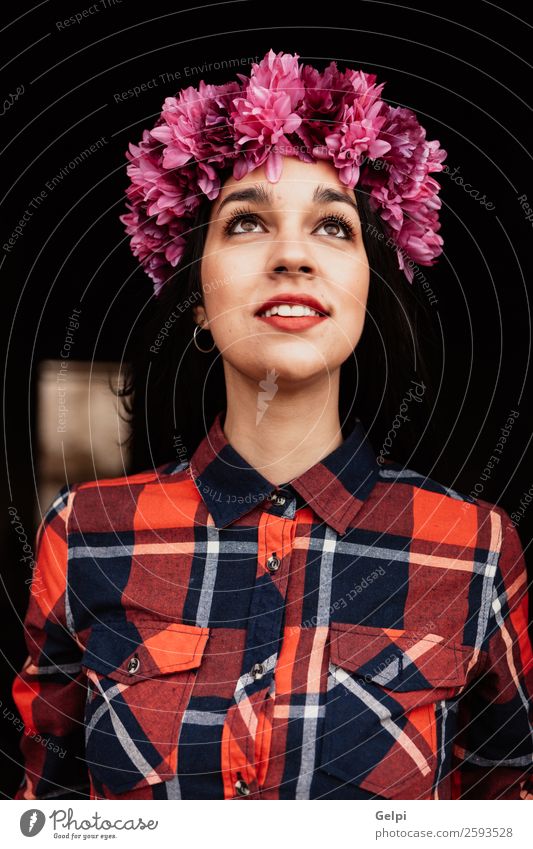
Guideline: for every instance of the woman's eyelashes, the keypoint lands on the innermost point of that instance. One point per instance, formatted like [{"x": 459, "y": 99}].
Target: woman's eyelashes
[{"x": 244, "y": 216}]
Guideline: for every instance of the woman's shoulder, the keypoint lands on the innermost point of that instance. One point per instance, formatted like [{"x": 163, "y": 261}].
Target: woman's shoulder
[
  {"x": 433, "y": 497},
  {"x": 166, "y": 471},
  {"x": 85, "y": 503}
]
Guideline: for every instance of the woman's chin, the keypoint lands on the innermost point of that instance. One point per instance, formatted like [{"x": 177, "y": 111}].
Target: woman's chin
[
  {"x": 291, "y": 371},
  {"x": 287, "y": 361}
]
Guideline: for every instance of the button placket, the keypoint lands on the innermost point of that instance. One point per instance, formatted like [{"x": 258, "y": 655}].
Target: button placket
[{"x": 247, "y": 749}]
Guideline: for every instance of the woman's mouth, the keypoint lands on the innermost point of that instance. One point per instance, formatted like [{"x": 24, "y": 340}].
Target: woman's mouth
[{"x": 290, "y": 317}]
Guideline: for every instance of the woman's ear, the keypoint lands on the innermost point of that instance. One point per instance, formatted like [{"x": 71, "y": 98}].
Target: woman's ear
[{"x": 200, "y": 316}]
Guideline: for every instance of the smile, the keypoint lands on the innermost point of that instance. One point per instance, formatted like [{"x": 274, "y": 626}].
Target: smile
[
  {"x": 286, "y": 310},
  {"x": 285, "y": 317}
]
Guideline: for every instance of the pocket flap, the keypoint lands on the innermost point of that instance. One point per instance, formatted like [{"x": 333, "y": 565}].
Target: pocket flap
[
  {"x": 133, "y": 651},
  {"x": 399, "y": 660}
]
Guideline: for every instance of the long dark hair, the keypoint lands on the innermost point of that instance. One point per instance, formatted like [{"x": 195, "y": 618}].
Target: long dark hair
[{"x": 171, "y": 391}]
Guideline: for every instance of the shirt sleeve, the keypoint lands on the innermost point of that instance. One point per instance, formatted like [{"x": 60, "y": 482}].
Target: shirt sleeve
[
  {"x": 50, "y": 691},
  {"x": 494, "y": 748}
]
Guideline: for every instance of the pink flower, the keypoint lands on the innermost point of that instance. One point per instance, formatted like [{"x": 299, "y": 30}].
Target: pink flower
[
  {"x": 328, "y": 99},
  {"x": 358, "y": 136},
  {"x": 266, "y": 112},
  {"x": 405, "y": 192}
]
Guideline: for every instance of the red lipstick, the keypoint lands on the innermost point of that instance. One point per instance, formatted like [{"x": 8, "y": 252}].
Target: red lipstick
[{"x": 293, "y": 322}]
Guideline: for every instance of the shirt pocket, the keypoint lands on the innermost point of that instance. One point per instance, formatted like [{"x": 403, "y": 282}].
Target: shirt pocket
[
  {"x": 380, "y": 718},
  {"x": 140, "y": 678}
]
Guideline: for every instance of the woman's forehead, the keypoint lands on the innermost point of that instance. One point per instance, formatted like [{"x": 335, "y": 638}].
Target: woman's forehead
[
  {"x": 294, "y": 173},
  {"x": 301, "y": 182}
]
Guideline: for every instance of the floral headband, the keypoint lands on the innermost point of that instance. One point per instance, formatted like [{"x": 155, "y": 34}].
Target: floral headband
[{"x": 281, "y": 106}]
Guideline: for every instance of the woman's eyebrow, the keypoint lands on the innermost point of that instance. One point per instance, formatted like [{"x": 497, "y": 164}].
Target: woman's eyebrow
[{"x": 260, "y": 195}]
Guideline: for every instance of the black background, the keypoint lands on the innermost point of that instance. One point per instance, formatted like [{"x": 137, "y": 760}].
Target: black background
[{"x": 463, "y": 70}]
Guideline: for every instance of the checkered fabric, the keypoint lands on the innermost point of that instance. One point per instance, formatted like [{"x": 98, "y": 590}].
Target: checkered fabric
[{"x": 196, "y": 632}]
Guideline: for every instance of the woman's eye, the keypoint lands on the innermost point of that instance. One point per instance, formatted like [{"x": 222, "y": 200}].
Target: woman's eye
[
  {"x": 245, "y": 221},
  {"x": 338, "y": 228}
]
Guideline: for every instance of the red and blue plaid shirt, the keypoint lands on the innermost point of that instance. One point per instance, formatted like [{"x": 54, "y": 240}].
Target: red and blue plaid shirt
[{"x": 195, "y": 632}]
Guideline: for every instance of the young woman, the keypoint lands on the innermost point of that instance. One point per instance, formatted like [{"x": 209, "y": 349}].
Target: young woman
[{"x": 270, "y": 607}]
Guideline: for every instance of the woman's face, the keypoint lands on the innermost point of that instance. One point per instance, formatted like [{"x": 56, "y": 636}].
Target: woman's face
[{"x": 287, "y": 242}]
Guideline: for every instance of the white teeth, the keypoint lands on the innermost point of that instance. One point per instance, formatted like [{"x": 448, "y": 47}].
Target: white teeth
[{"x": 289, "y": 310}]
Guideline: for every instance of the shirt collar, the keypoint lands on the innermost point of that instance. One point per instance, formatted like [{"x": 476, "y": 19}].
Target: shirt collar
[{"x": 335, "y": 487}]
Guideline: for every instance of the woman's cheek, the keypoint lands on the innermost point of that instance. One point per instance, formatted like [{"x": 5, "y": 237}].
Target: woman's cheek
[
  {"x": 349, "y": 326},
  {"x": 226, "y": 326}
]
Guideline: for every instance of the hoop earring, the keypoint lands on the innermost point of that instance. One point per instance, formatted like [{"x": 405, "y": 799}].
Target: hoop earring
[{"x": 203, "y": 350}]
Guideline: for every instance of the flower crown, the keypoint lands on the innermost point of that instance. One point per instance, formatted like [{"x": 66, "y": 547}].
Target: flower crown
[{"x": 281, "y": 106}]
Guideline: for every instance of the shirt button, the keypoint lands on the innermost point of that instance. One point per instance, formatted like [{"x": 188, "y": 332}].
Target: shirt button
[
  {"x": 273, "y": 563},
  {"x": 134, "y": 664},
  {"x": 241, "y": 787},
  {"x": 257, "y": 671}
]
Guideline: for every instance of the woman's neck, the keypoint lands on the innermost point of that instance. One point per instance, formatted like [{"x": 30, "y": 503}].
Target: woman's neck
[{"x": 283, "y": 431}]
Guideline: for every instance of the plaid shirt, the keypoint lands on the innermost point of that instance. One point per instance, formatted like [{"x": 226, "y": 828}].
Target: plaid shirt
[{"x": 195, "y": 632}]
